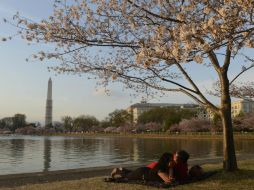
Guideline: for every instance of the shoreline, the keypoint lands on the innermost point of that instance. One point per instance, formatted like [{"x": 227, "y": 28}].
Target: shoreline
[
  {"x": 201, "y": 136},
  {"x": 196, "y": 136},
  {"x": 15, "y": 180}
]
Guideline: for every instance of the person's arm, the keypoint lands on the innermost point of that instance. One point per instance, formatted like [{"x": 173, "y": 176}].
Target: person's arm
[
  {"x": 171, "y": 173},
  {"x": 165, "y": 177},
  {"x": 171, "y": 170}
]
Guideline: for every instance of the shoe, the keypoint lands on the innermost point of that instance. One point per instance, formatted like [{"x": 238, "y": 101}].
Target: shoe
[{"x": 116, "y": 171}]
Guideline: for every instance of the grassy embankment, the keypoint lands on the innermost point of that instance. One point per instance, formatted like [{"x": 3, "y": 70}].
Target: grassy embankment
[{"x": 242, "y": 179}]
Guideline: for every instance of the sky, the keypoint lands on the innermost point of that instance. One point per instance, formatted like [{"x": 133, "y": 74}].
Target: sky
[{"x": 24, "y": 84}]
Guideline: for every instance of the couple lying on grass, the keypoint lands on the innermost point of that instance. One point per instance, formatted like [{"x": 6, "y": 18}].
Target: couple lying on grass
[{"x": 171, "y": 168}]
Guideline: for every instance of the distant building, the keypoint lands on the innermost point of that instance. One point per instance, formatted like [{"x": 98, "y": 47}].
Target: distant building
[
  {"x": 242, "y": 106},
  {"x": 49, "y": 104},
  {"x": 137, "y": 109},
  {"x": 205, "y": 114},
  {"x": 237, "y": 107}
]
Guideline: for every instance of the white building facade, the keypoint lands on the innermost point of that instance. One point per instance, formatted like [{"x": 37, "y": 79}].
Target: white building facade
[
  {"x": 137, "y": 109},
  {"x": 242, "y": 106}
]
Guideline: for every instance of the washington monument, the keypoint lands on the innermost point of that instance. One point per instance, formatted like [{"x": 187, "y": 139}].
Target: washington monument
[{"x": 49, "y": 104}]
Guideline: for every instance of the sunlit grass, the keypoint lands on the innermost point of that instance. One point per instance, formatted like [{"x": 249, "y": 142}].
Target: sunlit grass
[{"x": 243, "y": 179}]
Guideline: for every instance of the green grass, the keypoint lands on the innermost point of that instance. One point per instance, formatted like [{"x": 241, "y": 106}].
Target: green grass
[{"x": 243, "y": 179}]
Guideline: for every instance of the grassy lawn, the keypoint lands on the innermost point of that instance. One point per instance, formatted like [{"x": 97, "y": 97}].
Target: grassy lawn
[{"x": 240, "y": 180}]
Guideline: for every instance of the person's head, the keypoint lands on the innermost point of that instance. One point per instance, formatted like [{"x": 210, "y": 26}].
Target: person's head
[
  {"x": 164, "y": 161},
  {"x": 196, "y": 172},
  {"x": 181, "y": 156}
]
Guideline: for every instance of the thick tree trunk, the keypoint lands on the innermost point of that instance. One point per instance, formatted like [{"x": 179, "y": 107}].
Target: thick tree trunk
[{"x": 229, "y": 162}]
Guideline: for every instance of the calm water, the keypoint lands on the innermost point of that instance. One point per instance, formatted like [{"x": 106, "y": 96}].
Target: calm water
[{"x": 23, "y": 154}]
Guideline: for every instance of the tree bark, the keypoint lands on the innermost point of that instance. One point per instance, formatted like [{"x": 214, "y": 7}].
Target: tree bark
[{"x": 229, "y": 161}]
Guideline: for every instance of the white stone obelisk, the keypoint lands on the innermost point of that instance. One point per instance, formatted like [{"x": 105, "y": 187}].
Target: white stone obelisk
[{"x": 49, "y": 104}]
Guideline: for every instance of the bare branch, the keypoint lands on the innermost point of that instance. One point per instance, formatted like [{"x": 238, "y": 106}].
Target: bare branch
[
  {"x": 154, "y": 14},
  {"x": 244, "y": 69},
  {"x": 227, "y": 57},
  {"x": 170, "y": 81}
]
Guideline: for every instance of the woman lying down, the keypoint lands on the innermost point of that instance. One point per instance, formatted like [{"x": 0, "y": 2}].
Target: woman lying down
[{"x": 170, "y": 168}]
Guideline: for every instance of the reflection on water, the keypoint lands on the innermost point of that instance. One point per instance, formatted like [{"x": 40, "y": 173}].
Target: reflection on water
[
  {"x": 47, "y": 154},
  {"x": 22, "y": 154}
]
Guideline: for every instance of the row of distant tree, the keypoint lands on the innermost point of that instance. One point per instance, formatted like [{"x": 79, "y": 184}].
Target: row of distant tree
[
  {"x": 163, "y": 117},
  {"x": 115, "y": 119},
  {"x": 13, "y": 123},
  {"x": 154, "y": 120},
  {"x": 81, "y": 123},
  {"x": 166, "y": 117}
]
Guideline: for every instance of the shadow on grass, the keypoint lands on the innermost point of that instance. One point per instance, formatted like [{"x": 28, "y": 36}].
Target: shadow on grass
[{"x": 239, "y": 175}]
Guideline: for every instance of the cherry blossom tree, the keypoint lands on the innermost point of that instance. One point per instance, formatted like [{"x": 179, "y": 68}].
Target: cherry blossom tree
[
  {"x": 149, "y": 45},
  {"x": 191, "y": 125},
  {"x": 243, "y": 90}
]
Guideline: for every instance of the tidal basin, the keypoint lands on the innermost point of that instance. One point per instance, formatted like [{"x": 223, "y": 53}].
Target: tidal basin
[{"x": 26, "y": 154}]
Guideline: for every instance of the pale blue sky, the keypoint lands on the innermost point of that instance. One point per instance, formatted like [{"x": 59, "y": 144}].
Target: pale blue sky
[{"x": 24, "y": 84}]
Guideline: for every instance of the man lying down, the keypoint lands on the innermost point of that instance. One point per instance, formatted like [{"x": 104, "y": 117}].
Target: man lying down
[{"x": 170, "y": 170}]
